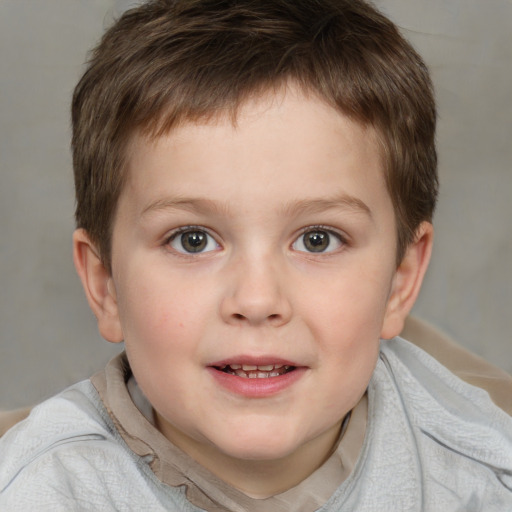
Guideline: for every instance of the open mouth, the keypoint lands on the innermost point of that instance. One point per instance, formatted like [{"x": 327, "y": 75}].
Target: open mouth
[
  {"x": 245, "y": 377},
  {"x": 248, "y": 371}
]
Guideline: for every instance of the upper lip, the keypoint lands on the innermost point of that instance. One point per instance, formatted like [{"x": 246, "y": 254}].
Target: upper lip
[{"x": 254, "y": 361}]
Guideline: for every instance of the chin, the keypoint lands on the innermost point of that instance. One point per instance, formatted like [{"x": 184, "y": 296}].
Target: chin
[{"x": 261, "y": 444}]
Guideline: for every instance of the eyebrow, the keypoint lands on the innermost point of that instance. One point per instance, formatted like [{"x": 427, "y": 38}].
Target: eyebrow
[
  {"x": 199, "y": 205},
  {"x": 341, "y": 201},
  {"x": 291, "y": 209}
]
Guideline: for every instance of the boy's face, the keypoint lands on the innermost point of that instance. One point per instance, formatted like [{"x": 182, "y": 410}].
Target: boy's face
[{"x": 267, "y": 244}]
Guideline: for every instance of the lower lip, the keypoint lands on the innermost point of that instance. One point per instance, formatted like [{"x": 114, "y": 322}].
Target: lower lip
[{"x": 256, "y": 388}]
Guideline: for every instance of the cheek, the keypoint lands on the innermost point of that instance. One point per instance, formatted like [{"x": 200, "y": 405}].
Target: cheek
[
  {"x": 156, "y": 309},
  {"x": 162, "y": 335},
  {"x": 346, "y": 319},
  {"x": 351, "y": 307}
]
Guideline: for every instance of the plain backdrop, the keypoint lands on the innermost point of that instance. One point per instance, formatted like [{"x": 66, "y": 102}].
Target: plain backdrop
[{"x": 48, "y": 337}]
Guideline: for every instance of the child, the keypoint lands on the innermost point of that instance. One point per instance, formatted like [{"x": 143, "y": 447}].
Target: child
[{"x": 255, "y": 185}]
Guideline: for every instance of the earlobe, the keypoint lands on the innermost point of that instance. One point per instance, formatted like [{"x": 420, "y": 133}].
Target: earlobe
[
  {"x": 407, "y": 281},
  {"x": 98, "y": 286}
]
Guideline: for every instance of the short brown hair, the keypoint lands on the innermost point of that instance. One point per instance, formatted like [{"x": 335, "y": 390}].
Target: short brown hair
[{"x": 170, "y": 61}]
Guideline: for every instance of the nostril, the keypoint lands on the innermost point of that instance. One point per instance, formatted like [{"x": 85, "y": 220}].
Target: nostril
[{"x": 240, "y": 317}]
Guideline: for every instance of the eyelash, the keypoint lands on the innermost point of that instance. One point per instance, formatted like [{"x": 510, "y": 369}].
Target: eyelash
[
  {"x": 308, "y": 229},
  {"x": 186, "y": 229},
  {"x": 343, "y": 240}
]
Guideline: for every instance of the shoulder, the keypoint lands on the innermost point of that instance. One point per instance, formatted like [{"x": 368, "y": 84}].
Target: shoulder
[
  {"x": 65, "y": 453},
  {"x": 422, "y": 379},
  {"x": 69, "y": 456},
  {"x": 433, "y": 441},
  {"x": 73, "y": 415},
  {"x": 467, "y": 366},
  {"x": 454, "y": 414}
]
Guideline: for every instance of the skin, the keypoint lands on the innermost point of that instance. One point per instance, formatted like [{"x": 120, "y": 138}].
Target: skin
[{"x": 257, "y": 189}]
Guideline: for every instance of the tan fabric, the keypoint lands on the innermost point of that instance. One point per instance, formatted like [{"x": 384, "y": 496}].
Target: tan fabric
[
  {"x": 10, "y": 418},
  {"x": 466, "y": 365},
  {"x": 204, "y": 489}
]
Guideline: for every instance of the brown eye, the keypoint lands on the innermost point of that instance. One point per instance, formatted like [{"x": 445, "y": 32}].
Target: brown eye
[
  {"x": 193, "y": 241},
  {"x": 318, "y": 240}
]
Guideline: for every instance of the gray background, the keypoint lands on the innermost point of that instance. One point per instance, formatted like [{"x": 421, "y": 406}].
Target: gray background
[{"x": 48, "y": 337}]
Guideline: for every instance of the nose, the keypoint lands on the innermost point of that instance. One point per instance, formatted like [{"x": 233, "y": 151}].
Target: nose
[{"x": 256, "y": 294}]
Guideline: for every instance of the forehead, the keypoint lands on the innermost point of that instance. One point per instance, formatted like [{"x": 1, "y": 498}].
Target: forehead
[{"x": 286, "y": 143}]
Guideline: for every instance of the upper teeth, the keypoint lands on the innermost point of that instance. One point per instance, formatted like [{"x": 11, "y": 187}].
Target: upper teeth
[
  {"x": 252, "y": 371},
  {"x": 253, "y": 367}
]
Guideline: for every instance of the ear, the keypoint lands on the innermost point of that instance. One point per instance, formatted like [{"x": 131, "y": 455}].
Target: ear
[
  {"x": 98, "y": 285},
  {"x": 407, "y": 281}
]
